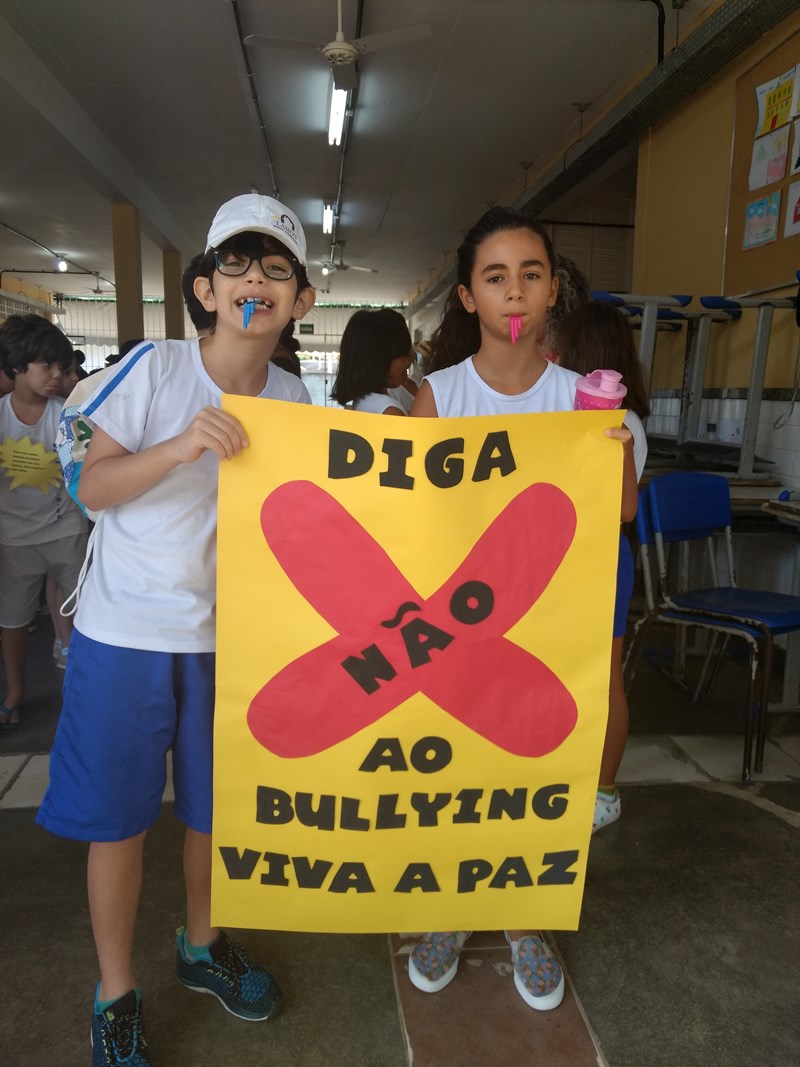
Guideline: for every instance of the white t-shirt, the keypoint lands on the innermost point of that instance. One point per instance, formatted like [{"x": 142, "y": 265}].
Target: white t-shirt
[
  {"x": 460, "y": 390},
  {"x": 152, "y": 582},
  {"x": 34, "y": 504},
  {"x": 404, "y": 397},
  {"x": 634, "y": 424},
  {"x": 377, "y": 403}
]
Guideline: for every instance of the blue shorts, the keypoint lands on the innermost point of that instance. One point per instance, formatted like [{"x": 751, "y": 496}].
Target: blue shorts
[
  {"x": 123, "y": 710},
  {"x": 624, "y": 586}
]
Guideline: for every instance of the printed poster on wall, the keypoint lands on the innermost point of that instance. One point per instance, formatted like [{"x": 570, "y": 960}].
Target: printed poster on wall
[
  {"x": 791, "y": 226},
  {"x": 770, "y": 153},
  {"x": 761, "y": 221},
  {"x": 414, "y": 632},
  {"x": 774, "y": 100},
  {"x": 795, "y": 156}
]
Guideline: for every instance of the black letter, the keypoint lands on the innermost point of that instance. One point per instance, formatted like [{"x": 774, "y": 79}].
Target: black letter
[
  {"x": 556, "y": 873},
  {"x": 276, "y": 867},
  {"x": 387, "y": 816},
  {"x": 514, "y": 870},
  {"x": 417, "y": 645},
  {"x": 504, "y": 802},
  {"x": 395, "y": 474},
  {"x": 442, "y": 471},
  {"x": 239, "y": 866},
  {"x": 429, "y": 807},
  {"x": 546, "y": 802},
  {"x": 470, "y": 872},
  {"x": 366, "y": 671},
  {"x": 469, "y": 798},
  {"x": 310, "y": 875},
  {"x": 273, "y": 806},
  {"x": 350, "y": 819},
  {"x": 463, "y": 611},
  {"x": 430, "y": 754},
  {"x": 417, "y": 876},
  {"x": 323, "y": 817},
  {"x": 340, "y": 444},
  {"x": 351, "y": 876},
  {"x": 386, "y": 752},
  {"x": 504, "y": 460}
]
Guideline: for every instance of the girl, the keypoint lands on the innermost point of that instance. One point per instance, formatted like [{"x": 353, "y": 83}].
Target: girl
[
  {"x": 506, "y": 284},
  {"x": 375, "y": 355},
  {"x": 590, "y": 337}
]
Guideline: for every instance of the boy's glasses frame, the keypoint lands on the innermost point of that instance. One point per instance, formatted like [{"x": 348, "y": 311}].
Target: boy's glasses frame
[{"x": 270, "y": 269}]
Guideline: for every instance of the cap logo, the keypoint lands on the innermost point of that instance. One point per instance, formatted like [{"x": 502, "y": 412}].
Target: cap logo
[{"x": 285, "y": 225}]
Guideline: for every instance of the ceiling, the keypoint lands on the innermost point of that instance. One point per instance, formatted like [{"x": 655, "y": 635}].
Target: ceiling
[{"x": 153, "y": 103}]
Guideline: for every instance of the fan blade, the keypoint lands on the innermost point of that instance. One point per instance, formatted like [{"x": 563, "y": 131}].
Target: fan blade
[
  {"x": 344, "y": 75},
  {"x": 283, "y": 43},
  {"x": 390, "y": 38},
  {"x": 369, "y": 270}
]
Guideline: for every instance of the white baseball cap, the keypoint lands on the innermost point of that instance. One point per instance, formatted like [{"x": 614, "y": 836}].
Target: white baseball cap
[{"x": 254, "y": 213}]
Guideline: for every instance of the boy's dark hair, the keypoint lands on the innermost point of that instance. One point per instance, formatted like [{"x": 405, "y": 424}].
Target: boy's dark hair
[
  {"x": 370, "y": 342},
  {"x": 253, "y": 244},
  {"x": 459, "y": 334},
  {"x": 26, "y": 339},
  {"x": 201, "y": 319},
  {"x": 598, "y": 336}
]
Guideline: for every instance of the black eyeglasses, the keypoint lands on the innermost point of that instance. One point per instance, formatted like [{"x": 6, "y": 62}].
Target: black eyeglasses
[{"x": 234, "y": 264}]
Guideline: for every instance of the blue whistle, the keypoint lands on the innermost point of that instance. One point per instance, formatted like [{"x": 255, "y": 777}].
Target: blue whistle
[{"x": 247, "y": 313}]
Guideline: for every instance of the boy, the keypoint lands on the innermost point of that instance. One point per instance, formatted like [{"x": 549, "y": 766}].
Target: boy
[
  {"x": 141, "y": 672},
  {"x": 42, "y": 531}
]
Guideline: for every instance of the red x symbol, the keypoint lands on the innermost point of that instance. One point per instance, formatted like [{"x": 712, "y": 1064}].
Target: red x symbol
[{"x": 464, "y": 664}]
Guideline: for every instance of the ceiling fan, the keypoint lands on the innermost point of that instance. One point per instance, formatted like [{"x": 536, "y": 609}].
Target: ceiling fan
[
  {"x": 341, "y": 53},
  {"x": 330, "y": 266}
]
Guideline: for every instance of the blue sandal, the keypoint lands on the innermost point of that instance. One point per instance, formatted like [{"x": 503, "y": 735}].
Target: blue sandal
[{"x": 9, "y": 721}]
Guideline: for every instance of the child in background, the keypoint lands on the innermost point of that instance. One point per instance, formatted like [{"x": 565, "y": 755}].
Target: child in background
[
  {"x": 573, "y": 292},
  {"x": 140, "y": 679},
  {"x": 375, "y": 354},
  {"x": 597, "y": 336},
  {"x": 42, "y": 532},
  {"x": 505, "y": 273}
]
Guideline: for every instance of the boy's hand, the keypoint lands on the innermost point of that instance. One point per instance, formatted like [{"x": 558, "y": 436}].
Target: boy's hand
[{"x": 211, "y": 430}]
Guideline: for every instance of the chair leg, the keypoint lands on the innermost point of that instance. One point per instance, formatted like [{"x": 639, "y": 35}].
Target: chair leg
[
  {"x": 634, "y": 651},
  {"x": 750, "y": 713},
  {"x": 761, "y": 736}
]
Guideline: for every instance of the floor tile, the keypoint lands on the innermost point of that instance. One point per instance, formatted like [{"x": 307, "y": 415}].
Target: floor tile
[
  {"x": 28, "y": 790},
  {"x": 448, "y": 1028},
  {"x": 656, "y": 759},
  {"x": 721, "y": 758},
  {"x": 9, "y": 767}
]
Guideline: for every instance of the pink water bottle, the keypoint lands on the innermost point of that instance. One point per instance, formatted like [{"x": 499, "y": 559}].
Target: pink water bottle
[{"x": 598, "y": 390}]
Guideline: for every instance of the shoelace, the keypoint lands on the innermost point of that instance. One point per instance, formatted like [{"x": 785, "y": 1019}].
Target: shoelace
[{"x": 122, "y": 1032}]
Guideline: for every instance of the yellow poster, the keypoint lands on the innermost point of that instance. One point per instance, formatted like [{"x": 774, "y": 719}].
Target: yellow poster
[{"x": 414, "y": 633}]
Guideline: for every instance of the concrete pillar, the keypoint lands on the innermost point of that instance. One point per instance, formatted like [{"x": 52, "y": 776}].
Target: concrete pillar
[
  {"x": 174, "y": 319},
  {"x": 128, "y": 271}
]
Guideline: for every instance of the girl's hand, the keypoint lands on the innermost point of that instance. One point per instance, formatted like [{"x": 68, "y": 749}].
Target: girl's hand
[
  {"x": 621, "y": 433},
  {"x": 210, "y": 430}
]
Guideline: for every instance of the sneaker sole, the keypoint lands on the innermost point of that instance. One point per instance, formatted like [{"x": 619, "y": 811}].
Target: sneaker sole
[
  {"x": 427, "y": 985},
  {"x": 544, "y": 1003},
  {"x": 273, "y": 1011}
]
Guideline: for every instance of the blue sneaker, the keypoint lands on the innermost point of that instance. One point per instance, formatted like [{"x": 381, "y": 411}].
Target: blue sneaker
[
  {"x": 118, "y": 1034},
  {"x": 242, "y": 988}
]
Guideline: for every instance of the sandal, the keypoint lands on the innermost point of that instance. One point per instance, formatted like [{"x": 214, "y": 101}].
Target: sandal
[{"x": 10, "y": 718}]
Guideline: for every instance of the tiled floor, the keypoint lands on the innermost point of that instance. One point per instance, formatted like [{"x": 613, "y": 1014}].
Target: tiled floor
[{"x": 687, "y": 951}]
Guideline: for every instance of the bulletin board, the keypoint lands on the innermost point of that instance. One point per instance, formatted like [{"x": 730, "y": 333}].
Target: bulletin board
[{"x": 763, "y": 234}]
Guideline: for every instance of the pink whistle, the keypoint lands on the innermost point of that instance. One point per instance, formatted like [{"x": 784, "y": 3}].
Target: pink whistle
[{"x": 515, "y": 325}]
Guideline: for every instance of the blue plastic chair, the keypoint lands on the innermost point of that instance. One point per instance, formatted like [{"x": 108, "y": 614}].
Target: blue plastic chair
[{"x": 687, "y": 507}]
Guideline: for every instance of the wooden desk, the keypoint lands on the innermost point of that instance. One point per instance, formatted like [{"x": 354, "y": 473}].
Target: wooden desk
[{"x": 788, "y": 512}]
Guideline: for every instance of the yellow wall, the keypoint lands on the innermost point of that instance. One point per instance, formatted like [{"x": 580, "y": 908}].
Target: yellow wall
[
  {"x": 12, "y": 284},
  {"x": 681, "y": 211}
]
